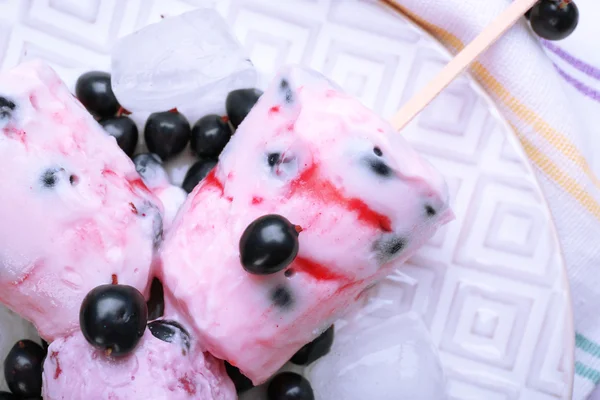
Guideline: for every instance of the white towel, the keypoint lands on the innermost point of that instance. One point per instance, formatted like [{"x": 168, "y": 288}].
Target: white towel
[{"x": 550, "y": 93}]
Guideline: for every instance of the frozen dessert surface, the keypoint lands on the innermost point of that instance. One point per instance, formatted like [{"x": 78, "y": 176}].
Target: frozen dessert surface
[
  {"x": 158, "y": 370},
  {"x": 319, "y": 158},
  {"x": 75, "y": 212},
  {"x": 308, "y": 161}
]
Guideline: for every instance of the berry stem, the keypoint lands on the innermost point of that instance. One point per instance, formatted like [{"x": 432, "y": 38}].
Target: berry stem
[
  {"x": 564, "y": 3},
  {"x": 123, "y": 111}
]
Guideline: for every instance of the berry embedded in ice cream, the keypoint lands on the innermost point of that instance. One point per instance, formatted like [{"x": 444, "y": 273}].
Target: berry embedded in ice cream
[
  {"x": 170, "y": 331},
  {"x": 113, "y": 318},
  {"x": 268, "y": 245},
  {"x": 156, "y": 369},
  {"x": 364, "y": 199},
  {"x": 151, "y": 169},
  {"x": 196, "y": 173},
  {"x": 74, "y": 210}
]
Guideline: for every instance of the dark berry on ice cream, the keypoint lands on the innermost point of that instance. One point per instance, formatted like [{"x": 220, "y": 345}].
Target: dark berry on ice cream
[
  {"x": 196, "y": 173},
  {"x": 268, "y": 245},
  {"x": 113, "y": 318}
]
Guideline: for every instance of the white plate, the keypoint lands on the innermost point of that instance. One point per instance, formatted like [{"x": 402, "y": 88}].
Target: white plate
[{"x": 491, "y": 286}]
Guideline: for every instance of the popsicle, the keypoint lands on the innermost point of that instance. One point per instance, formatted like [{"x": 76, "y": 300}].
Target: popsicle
[
  {"x": 75, "y": 212},
  {"x": 166, "y": 365},
  {"x": 362, "y": 200}
]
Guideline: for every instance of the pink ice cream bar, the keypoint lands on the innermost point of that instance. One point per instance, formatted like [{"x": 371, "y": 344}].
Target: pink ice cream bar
[
  {"x": 363, "y": 199},
  {"x": 75, "y": 212},
  {"x": 158, "y": 370}
]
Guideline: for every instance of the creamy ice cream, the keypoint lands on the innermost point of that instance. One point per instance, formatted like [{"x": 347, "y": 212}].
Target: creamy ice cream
[
  {"x": 77, "y": 215},
  {"x": 364, "y": 203},
  {"x": 75, "y": 212},
  {"x": 158, "y": 370}
]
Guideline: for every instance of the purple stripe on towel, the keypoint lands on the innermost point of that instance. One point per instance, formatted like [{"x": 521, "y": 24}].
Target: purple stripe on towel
[
  {"x": 578, "y": 64},
  {"x": 580, "y": 86}
]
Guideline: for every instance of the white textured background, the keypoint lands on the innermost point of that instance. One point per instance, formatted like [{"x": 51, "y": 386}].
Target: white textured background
[{"x": 490, "y": 285}]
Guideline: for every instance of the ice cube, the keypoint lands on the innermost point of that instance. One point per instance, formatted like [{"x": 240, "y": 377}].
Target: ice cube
[
  {"x": 392, "y": 359},
  {"x": 189, "y": 60}
]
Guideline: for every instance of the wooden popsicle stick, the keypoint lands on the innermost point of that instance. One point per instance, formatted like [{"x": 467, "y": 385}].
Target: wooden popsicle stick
[{"x": 460, "y": 62}]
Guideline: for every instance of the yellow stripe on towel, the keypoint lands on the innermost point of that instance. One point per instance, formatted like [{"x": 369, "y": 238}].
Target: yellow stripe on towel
[
  {"x": 557, "y": 140},
  {"x": 545, "y": 164}
]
